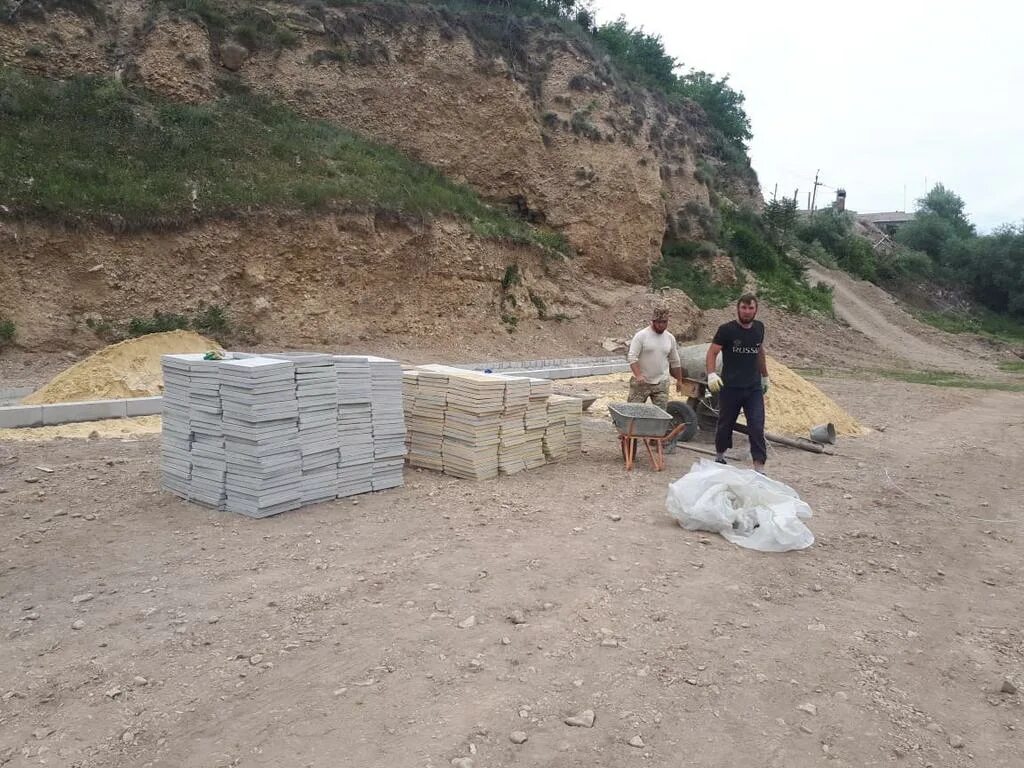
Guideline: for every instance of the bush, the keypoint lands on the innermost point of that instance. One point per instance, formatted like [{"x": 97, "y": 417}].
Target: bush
[
  {"x": 833, "y": 231},
  {"x": 209, "y": 320},
  {"x": 642, "y": 57},
  {"x": 746, "y": 238},
  {"x": 212, "y": 321},
  {"x": 816, "y": 252},
  {"x": 8, "y": 331},
  {"x": 539, "y": 304},
  {"x": 781, "y": 278},
  {"x": 581, "y": 125},
  {"x": 994, "y": 268},
  {"x": 791, "y": 291},
  {"x": 905, "y": 263},
  {"x": 676, "y": 270},
  {"x": 160, "y": 322}
]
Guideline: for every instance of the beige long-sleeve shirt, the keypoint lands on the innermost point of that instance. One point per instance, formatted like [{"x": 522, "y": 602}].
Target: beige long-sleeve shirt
[{"x": 656, "y": 353}]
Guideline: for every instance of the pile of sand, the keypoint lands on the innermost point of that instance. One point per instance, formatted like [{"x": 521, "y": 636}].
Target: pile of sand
[
  {"x": 128, "y": 369},
  {"x": 83, "y": 430},
  {"x": 793, "y": 405}
]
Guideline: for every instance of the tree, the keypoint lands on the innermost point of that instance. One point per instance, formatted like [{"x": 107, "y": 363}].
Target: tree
[
  {"x": 642, "y": 57},
  {"x": 780, "y": 218},
  {"x": 940, "y": 227},
  {"x": 948, "y": 206},
  {"x": 723, "y": 104},
  {"x": 995, "y": 270}
]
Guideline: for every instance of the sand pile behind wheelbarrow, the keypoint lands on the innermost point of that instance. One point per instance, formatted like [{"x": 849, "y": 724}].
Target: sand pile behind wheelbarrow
[{"x": 792, "y": 407}]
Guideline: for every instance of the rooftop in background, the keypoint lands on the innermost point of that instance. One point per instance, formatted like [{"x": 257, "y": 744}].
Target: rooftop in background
[{"x": 888, "y": 217}]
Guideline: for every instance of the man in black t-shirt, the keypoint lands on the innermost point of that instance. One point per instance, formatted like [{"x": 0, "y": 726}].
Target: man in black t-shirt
[{"x": 744, "y": 379}]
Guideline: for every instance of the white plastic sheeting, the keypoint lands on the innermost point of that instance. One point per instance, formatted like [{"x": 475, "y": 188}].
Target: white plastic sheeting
[{"x": 742, "y": 505}]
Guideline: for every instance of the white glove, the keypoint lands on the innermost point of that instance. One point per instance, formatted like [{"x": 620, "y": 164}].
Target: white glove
[
  {"x": 764, "y": 385},
  {"x": 714, "y": 382}
]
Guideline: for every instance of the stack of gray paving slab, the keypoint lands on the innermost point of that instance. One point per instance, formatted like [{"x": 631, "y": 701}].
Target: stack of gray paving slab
[
  {"x": 355, "y": 425},
  {"x": 316, "y": 391},
  {"x": 387, "y": 421},
  {"x": 192, "y": 449},
  {"x": 261, "y": 436}
]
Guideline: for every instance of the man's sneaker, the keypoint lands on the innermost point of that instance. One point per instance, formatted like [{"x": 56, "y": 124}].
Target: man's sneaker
[{"x": 719, "y": 461}]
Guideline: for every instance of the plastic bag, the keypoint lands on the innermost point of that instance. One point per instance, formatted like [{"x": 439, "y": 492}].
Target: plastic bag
[{"x": 744, "y": 506}]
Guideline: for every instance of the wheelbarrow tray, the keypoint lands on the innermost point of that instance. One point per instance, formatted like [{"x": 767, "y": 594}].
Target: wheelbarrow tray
[{"x": 640, "y": 419}]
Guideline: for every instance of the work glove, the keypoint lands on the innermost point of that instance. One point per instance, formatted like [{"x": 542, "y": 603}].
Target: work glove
[
  {"x": 764, "y": 385},
  {"x": 714, "y": 382}
]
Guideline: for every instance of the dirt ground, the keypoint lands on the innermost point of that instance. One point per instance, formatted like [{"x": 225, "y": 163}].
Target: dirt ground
[
  {"x": 427, "y": 625},
  {"x": 331, "y": 636}
]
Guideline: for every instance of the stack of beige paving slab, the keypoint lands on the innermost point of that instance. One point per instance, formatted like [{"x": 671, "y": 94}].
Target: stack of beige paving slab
[
  {"x": 564, "y": 435},
  {"x": 536, "y": 422},
  {"x": 476, "y": 425},
  {"x": 472, "y": 425},
  {"x": 512, "y": 448},
  {"x": 424, "y": 396}
]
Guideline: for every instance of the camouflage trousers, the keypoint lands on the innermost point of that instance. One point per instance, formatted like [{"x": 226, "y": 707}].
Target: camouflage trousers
[{"x": 658, "y": 393}]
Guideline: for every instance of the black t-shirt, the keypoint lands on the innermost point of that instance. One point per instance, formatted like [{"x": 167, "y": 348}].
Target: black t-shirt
[{"x": 740, "y": 347}]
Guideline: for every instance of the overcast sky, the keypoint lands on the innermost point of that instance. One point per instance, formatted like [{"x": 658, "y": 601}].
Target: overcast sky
[{"x": 880, "y": 96}]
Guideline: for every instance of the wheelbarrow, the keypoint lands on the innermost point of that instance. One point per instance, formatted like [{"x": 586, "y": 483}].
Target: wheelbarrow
[
  {"x": 701, "y": 405},
  {"x": 648, "y": 424}
]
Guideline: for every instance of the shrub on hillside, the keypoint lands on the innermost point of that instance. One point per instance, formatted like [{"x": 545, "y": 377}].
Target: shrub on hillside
[{"x": 8, "y": 331}]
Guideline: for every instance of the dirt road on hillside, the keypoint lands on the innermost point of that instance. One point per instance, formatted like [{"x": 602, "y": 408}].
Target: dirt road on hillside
[
  {"x": 339, "y": 635},
  {"x": 873, "y": 312}
]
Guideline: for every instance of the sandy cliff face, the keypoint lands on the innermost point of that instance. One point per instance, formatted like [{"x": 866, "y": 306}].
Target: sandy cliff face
[
  {"x": 524, "y": 114},
  {"x": 608, "y": 167},
  {"x": 333, "y": 280}
]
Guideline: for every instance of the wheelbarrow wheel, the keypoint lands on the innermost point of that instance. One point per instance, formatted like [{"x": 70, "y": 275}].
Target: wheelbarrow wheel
[{"x": 683, "y": 414}]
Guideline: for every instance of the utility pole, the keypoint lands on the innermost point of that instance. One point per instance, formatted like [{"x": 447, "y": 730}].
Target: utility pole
[
  {"x": 795, "y": 193},
  {"x": 775, "y": 191},
  {"x": 814, "y": 197}
]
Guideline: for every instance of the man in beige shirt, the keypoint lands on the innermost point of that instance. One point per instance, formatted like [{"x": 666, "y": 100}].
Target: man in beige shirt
[{"x": 654, "y": 359}]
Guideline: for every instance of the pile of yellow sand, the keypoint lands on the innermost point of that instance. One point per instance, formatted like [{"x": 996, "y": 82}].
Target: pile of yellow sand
[
  {"x": 109, "y": 428},
  {"x": 128, "y": 369},
  {"x": 793, "y": 405}
]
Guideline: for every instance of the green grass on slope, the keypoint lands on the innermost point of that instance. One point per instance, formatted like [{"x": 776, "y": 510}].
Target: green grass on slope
[
  {"x": 982, "y": 322},
  {"x": 950, "y": 379},
  {"x": 91, "y": 149}
]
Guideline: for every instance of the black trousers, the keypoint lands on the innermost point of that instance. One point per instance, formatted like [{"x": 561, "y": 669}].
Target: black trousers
[{"x": 751, "y": 401}]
